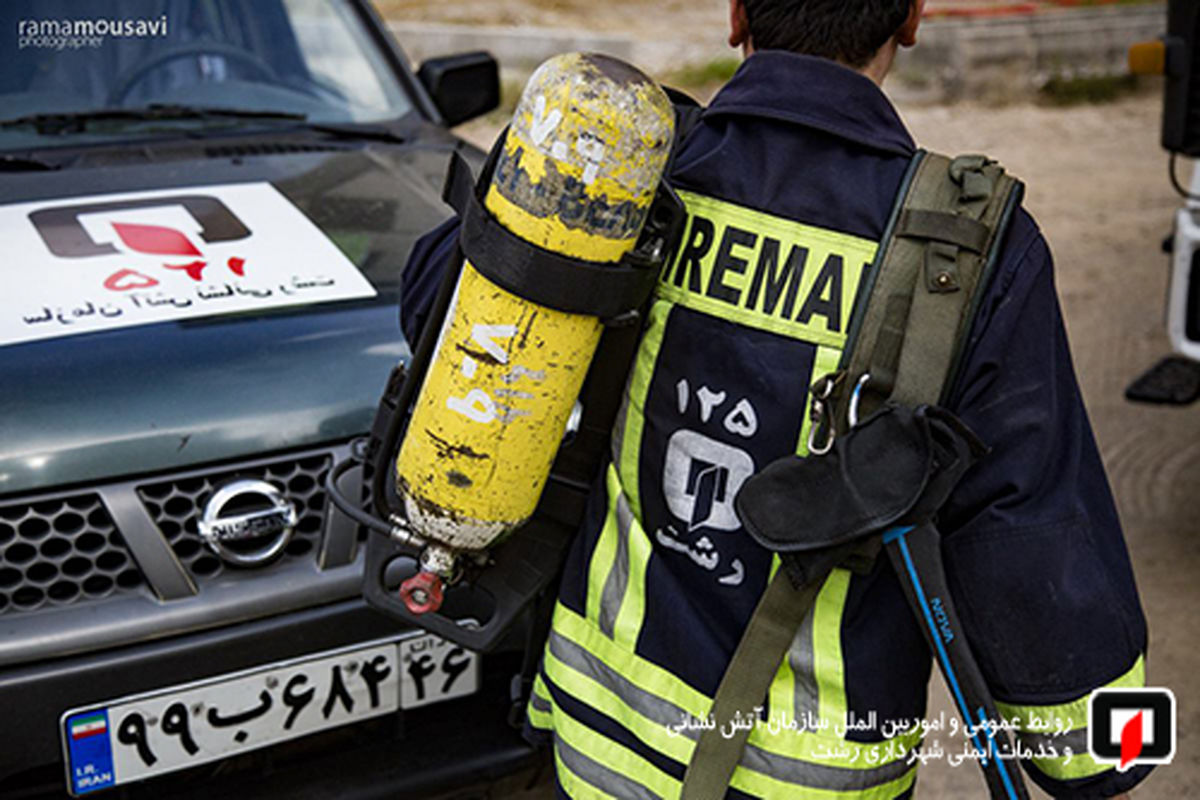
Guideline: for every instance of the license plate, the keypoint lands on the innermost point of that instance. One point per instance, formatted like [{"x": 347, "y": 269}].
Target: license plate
[
  {"x": 433, "y": 669},
  {"x": 133, "y": 738}
]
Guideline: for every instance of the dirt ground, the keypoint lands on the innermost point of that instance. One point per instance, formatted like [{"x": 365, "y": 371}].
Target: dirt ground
[
  {"x": 1097, "y": 185},
  {"x": 680, "y": 17},
  {"x": 649, "y": 19}
]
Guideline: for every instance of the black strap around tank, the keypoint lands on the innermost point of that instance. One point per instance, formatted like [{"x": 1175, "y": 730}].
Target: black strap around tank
[{"x": 606, "y": 290}]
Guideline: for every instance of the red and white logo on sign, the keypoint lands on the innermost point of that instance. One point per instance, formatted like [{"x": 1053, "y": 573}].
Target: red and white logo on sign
[
  {"x": 163, "y": 234},
  {"x": 1127, "y": 727}
]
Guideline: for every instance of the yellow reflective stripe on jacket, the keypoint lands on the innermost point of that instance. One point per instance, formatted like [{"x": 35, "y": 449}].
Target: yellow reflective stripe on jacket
[
  {"x": 828, "y": 666},
  {"x": 755, "y": 783},
  {"x": 613, "y": 764},
  {"x": 761, "y": 772},
  {"x": 766, "y": 272},
  {"x": 574, "y": 785},
  {"x": 639, "y": 387},
  {"x": 615, "y": 684},
  {"x": 642, "y": 673},
  {"x": 580, "y": 775},
  {"x": 616, "y": 590},
  {"x": 538, "y": 711},
  {"x": 633, "y": 607},
  {"x": 1072, "y": 718},
  {"x": 785, "y": 695},
  {"x": 605, "y": 560}
]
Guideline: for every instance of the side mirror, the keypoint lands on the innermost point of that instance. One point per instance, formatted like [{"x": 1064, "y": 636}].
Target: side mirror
[{"x": 462, "y": 86}]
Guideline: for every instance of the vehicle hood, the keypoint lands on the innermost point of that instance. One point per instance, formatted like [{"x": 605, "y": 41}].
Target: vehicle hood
[{"x": 142, "y": 399}]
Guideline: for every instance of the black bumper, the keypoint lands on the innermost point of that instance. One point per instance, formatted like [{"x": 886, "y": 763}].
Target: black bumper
[{"x": 417, "y": 753}]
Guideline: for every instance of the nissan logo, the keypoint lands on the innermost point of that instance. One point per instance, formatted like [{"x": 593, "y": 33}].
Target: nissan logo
[{"x": 248, "y": 522}]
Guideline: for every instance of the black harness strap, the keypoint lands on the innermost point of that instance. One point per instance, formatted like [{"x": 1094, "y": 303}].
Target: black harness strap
[
  {"x": 608, "y": 290},
  {"x": 604, "y": 290}
]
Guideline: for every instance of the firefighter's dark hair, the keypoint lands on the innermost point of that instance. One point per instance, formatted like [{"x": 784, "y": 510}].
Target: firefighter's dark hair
[{"x": 849, "y": 31}]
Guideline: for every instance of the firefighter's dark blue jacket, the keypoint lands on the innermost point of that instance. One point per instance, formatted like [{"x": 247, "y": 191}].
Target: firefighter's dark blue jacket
[{"x": 1033, "y": 545}]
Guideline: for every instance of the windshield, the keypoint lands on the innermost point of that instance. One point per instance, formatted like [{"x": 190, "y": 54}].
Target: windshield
[{"x": 310, "y": 58}]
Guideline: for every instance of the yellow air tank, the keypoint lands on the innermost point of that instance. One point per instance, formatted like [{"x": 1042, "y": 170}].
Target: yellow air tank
[{"x": 576, "y": 175}]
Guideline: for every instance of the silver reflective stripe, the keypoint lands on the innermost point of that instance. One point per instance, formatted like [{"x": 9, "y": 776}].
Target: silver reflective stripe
[
  {"x": 618, "y": 576},
  {"x": 540, "y": 703},
  {"x": 600, "y": 776},
  {"x": 618, "y": 429},
  {"x": 650, "y": 706},
  {"x": 801, "y": 660},
  {"x": 821, "y": 776},
  {"x": 1077, "y": 740},
  {"x": 665, "y": 713}
]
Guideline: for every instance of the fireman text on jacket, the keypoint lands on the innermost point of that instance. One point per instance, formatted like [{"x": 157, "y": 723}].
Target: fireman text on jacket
[{"x": 766, "y": 271}]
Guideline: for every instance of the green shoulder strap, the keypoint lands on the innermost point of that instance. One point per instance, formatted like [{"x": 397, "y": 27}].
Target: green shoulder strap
[
  {"x": 908, "y": 332},
  {"x": 932, "y": 270}
]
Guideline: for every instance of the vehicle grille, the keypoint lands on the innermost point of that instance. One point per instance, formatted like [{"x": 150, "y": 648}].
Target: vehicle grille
[
  {"x": 176, "y": 506},
  {"x": 121, "y": 562},
  {"x": 61, "y": 551}
]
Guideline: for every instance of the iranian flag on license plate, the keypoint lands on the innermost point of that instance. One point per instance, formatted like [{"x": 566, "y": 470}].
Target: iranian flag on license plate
[{"x": 90, "y": 725}]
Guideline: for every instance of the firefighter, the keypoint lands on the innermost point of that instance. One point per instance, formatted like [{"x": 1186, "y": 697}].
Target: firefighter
[{"x": 788, "y": 179}]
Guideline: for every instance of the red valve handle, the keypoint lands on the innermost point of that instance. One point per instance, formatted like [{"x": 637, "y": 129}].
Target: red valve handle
[{"x": 422, "y": 593}]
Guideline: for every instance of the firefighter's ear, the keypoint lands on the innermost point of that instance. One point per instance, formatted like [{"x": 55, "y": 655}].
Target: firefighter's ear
[
  {"x": 907, "y": 35},
  {"x": 739, "y": 26}
]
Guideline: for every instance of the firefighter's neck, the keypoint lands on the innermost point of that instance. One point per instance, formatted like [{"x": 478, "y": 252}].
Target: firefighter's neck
[{"x": 876, "y": 69}]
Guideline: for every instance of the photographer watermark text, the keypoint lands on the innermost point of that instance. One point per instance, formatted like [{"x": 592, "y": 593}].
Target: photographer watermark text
[{"x": 73, "y": 34}]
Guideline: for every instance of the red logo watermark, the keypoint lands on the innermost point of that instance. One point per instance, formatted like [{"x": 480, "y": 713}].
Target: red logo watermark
[{"x": 1129, "y": 727}]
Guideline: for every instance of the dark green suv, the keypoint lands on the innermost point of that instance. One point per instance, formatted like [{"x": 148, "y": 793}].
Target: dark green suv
[{"x": 205, "y": 209}]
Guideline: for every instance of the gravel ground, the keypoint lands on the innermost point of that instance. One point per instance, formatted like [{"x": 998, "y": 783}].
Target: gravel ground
[
  {"x": 1097, "y": 185},
  {"x": 680, "y": 17},
  {"x": 677, "y": 16}
]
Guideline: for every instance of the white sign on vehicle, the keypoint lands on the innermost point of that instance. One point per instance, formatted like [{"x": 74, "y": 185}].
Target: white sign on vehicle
[
  {"x": 138, "y": 737},
  {"x": 87, "y": 264}
]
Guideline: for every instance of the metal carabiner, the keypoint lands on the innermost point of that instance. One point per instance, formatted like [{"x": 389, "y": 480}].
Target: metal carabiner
[
  {"x": 823, "y": 449},
  {"x": 822, "y": 390},
  {"x": 855, "y": 397}
]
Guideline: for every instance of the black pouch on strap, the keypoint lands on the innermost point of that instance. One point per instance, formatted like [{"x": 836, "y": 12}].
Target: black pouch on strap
[{"x": 897, "y": 467}]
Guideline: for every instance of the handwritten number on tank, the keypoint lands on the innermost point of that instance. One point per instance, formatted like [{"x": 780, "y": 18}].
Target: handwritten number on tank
[{"x": 575, "y": 175}]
